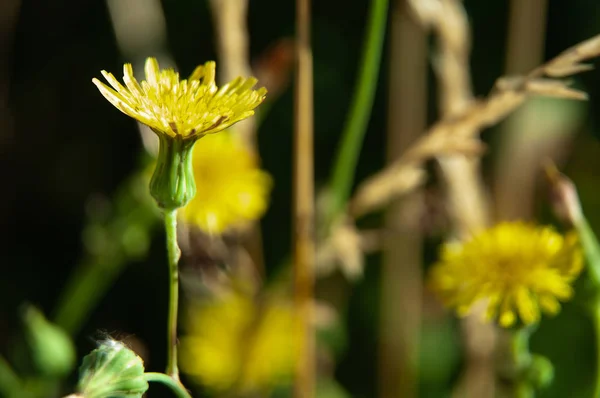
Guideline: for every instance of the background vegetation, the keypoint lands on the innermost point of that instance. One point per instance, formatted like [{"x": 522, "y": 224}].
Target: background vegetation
[{"x": 61, "y": 146}]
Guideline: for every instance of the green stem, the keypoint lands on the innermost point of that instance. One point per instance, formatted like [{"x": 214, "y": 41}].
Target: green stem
[
  {"x": 168, "y": 381},
  {"x": 521, "y": 360},
  {"x": 590, "y": 246},
  {"x": 173, "y": 255},
  {"x": 591, "y": 249},
  {"x": 360, "y": 111},
  {"x": 595, "y": 314},
  {"x": 515, "y": 361}
]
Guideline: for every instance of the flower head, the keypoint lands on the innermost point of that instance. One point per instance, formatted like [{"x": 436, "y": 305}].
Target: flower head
[
  {"x": 180, "y": 112},
  {"x": 518, "y": 268},
  {"x": 184, "y": 108},
  {"x": 231, "y": 188},
  {"x": 235, "y": 344}
]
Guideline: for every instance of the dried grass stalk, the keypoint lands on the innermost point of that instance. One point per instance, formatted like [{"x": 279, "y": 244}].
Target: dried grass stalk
[
  {"x": 459, "y": 133},
  {"x": 304, "y": 243},
  {"x": 233, "y": 48}
]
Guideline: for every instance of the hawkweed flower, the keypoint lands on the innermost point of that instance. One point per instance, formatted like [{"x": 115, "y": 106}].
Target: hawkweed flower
[
  {"x": 519, "y": 269},
  {"x": 232, "y": 189},
  {"x": 235, "y": 344},
  {"x": 180, "y": 112}
]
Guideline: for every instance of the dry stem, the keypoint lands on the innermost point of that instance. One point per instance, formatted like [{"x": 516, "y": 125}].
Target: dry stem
[
  {"x": 459, "y": 132},
  {"x": 523, "y": 143},
  {"x": 233, "y": 49},
  {"x": 468, "y": 204},
  {"x": 401, "y": 281},
  {"x": 304, "y": 245},
  {"x": 234, "y": 60}
]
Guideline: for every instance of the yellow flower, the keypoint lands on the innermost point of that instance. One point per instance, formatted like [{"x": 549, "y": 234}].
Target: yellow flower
[
  {"x": 180, "y": 112},
  {"x": 519, "y": 269},
  {"x": 186, "y": 108},
  {"x": 231, "y": 189},
  {"x": 235, "y": 344}
]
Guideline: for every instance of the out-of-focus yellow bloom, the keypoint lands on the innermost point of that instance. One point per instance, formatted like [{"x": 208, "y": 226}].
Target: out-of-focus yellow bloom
[
  {"x": 186, "y": 108},
  {"x": 231, "y": 189},
  {"x": 234, "y": 344},
  {"x": 518, "y": 268}
]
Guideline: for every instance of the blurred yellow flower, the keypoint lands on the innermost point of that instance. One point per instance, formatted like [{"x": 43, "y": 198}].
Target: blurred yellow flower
[
  {"x": 516, "y": 267},
  {"x": 235, "y": 344},
  {"x": 182, "y": 108},
  {"x": 231, "y": 189}
]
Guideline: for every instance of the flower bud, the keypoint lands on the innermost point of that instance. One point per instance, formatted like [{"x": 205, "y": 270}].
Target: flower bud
[
  {"x": 50, "y": 348},
  {"x": 172, "y": 184},
  {"x": 112, "y": 371}
]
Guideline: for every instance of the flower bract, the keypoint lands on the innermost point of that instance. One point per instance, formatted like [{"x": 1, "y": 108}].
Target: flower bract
[
  {"x": 112, "y": 371},
  {"x": 520, "y": 270}
]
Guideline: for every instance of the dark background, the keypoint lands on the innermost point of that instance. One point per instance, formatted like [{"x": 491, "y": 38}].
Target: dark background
[{"x": 61, "y": 143}]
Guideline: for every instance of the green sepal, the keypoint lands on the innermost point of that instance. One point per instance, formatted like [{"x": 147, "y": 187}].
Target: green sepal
[
  {"x": 50, "y": 348},
  {"x": 112, "y": 371},
  {"x": 172, "y": 184}
]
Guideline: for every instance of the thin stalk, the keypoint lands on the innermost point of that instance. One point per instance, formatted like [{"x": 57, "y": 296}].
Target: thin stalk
[
  {"x": 401, "y": 278},
  {"x": 515, "y": 360},
  {"x": 520, "y": 148},
  {"x": 173, "y": 253},
  {"x": 231, "y": 28},
  {"x": 360, "y": 111},
  {"x": 591, "y": 249},
  {"x": 521, "y": 358},
  {"x": 304, "y": 245},
  {"x": 174, "y": 385}
]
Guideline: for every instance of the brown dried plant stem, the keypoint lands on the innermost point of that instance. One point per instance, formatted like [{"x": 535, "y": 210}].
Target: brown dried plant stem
[
  {"x": 465, "y": 193},
  {"x": 230, "y": 19},
  {"x": 401, "y": 279},
  {"x": 520, "y": 151},
  {"x": 304, "y": 245},
  {"x": 233, "y": 48}
]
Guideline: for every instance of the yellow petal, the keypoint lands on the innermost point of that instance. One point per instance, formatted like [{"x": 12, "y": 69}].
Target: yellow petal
[
  {"x": 528, "y": 310},
  {"x": 113, "y": 81},
  {"x": 115, "y": 98},
  {"x": 152, "y": 71},
  {"x": 131, "y": 82},
  {"x": 549, "y": 304}
]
